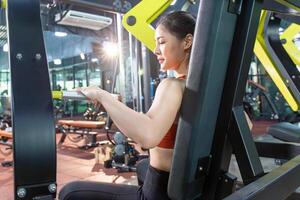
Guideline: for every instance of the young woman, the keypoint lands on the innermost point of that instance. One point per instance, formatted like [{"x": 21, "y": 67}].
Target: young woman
[{"x": 154, "y": 130}]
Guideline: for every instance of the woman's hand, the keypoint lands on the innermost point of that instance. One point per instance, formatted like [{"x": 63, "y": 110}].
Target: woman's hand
[{"x": 92, "y": 93}]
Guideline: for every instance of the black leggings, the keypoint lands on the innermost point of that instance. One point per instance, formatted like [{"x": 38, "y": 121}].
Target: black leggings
[{"x": 154, "y": 188}]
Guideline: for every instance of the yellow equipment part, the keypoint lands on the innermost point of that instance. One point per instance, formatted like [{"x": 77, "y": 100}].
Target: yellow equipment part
[
  {"x": 288, "y": 35},
  {"x": 138, "y": 20},
  {"x": 57, "y": 94},
  {"x": 73, "y": 94},
  {"x": 260, "y": 51},
  {"x": 3, "y": 4}
]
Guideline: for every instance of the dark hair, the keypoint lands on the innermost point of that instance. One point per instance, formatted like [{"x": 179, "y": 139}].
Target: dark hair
[{"x": 179, "y": 23}]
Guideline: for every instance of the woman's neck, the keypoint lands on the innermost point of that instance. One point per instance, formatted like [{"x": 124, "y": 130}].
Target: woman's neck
[{"x": 182, "y": 70}]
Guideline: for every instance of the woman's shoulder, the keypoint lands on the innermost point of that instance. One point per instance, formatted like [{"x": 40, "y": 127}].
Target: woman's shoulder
[{"x": 172, "y": 82}]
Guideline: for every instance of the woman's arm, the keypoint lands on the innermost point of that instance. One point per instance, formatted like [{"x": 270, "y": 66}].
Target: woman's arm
[{"x": 146, "y": 129}]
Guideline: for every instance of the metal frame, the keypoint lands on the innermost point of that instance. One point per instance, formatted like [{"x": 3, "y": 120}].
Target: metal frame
[
  {"x": 196, "y": 172},
  {"x": 283, "y": 150},
  {"x": 32, "y": 110},
  {"x": 280, "y": 57},
  {"x": 231, "y": 119},
  {"x": 278, "y": 184}
]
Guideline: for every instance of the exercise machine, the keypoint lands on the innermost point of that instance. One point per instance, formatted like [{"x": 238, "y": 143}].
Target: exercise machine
[
  {"x": 257, "y": 95},
  {"x": 212, "y": 124}
]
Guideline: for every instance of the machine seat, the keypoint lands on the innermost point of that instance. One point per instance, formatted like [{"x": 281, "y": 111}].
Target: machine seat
[
  {"x": 285, "y": 131},
  {"x": 5, "y": 134},
  {"x": 82, "y": 124}
]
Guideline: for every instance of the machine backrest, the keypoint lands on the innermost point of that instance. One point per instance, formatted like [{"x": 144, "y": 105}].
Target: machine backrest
[{"x": 210, "y": 54}]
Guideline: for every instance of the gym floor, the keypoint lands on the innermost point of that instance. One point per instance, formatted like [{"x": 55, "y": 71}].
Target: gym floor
[
  {"x": 72, "y": 164},
  {"x": 76, "y": 164}
]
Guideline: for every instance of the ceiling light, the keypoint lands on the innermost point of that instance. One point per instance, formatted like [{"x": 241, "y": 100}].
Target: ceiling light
[
  {"x": 94, "y": 60},
  {"x": 82, "y": 56},
  {"x": 57, "y": 61},
  {"x": 5, "y": 47},
  {"x": 111, "y": 49},
  {"x": 60, "y": 34}
]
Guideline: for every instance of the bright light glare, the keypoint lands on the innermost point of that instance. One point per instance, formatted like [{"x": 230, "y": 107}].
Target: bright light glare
[
  {"x": 141, "y": 72},
  {"x": 111, "y": 49},
  {"x": 173, "y": 2},
  {"x": 94, "y": 60},
  {"x": 82, "y": 56},
  {"x": 57, "y": 61},
  {"x": 5, "y": 47},
  {"x": 60, "y": 34}
]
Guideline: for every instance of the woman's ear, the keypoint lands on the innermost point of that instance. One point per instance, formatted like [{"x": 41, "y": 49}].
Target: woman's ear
[{"x": 188, "y": 41}]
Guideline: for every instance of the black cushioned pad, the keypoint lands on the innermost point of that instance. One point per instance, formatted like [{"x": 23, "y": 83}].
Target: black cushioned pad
[{"x": 285, "y": 131}]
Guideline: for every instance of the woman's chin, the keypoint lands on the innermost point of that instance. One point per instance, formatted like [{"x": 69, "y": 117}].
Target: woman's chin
[{"x": 163, "y": 68}]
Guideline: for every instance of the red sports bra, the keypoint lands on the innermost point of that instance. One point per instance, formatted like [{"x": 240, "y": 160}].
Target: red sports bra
[{"x": 168, "y": 141}]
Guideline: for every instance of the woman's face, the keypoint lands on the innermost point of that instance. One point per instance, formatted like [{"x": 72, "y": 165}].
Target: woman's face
[{"x": 169, "y": 50}]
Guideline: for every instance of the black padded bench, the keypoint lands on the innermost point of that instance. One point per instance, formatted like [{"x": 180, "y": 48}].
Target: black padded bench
[
  {"x": 285, "y": 131},
  {"x": 80, "y": 127},
  {"x": 4, "y": 136}
]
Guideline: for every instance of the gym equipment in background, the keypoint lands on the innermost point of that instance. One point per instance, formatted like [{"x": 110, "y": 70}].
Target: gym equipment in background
[
  {"x": 124, "y": 154},
  {"x": 80, "y": 128},
  {"x": 253, "y": 99},
  {"x": 270, "y": 49},
  {"x": 5, "y": 135}
]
